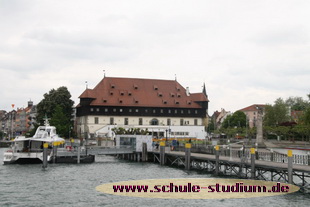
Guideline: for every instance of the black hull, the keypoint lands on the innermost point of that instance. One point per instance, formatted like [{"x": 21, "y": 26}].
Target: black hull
[
  {"x": 23, "y": 161},
  {"x": 73, "y": 159}
]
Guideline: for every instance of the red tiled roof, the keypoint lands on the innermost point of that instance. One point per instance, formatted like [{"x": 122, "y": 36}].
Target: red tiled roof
[
  {"x": 253, "y": 107},
  {"x": 142, "y": 93},
  {"x": 88, "y": 93}
]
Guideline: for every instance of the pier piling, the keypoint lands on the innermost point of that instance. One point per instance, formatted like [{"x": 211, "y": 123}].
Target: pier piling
[
  {"x": 217, "y": 158},
  {"x": 78, "y": 154},
  {"x": 45, "y": 146},
  {"x": 162, "y": 153},
  {"x": 252, "y": 163},
  {"x": 188, "y": 147},
  {"x": 290, "y": 166}
]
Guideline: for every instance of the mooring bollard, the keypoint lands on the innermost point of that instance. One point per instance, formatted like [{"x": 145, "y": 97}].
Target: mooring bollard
[
  {"x": 188, "y": 147},
  {"x": 252, "y": 163},
  {"x": 290, "y": 166},
  {"x": 162, "y": 153},
  {"x": 217, "y": 158},
  {"x": 45, "y": 146}
]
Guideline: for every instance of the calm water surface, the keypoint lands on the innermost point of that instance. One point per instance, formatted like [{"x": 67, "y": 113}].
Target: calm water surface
[{"x": 74, "y": 185}]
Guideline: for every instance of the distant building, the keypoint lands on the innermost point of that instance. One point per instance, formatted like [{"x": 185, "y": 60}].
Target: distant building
[
  {"x": 18, "y": 122},
  {"x": 164, "y": 107},
  {"x": 219, "y": 117},
  {"x": 23, "y": 121},
  {"x": 251, "y": 113}
]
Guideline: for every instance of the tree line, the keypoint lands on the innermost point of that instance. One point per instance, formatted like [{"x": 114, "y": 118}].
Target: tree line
[{"x": 278, "y": 121}]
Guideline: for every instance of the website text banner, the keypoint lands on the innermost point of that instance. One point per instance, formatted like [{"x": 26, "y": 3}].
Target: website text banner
[{"x": 197, "y": 188}]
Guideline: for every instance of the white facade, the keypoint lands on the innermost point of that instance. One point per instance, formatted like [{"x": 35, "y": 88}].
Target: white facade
[{"x": 101, "y": 126}]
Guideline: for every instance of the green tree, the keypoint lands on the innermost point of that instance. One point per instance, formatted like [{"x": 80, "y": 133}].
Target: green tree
[
  {"x": 211, "y": 125},
  {"x": 58, "y": 106},
  {"x": 60, "y": 97},
  {"x": 238, "y": 119},
  {"x": 61, "y": 122},
  {"x": 297, "y": 103},
  {"x": 277, "y": 113}
]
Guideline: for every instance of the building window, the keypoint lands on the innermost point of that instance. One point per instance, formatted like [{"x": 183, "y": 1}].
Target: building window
[
  {"x": 176, "y": 111},
  {"x": 196, "y": 112},
  {"x": 154, "y": 111},
  {"x": 97, "y": 109},
  {"x": 137, "y": 110},
  {"x": 181, "y": 111},
  {"x": 189, "y": 111},
  {"x": 111, "y": 120},
  {"x": 169, "y": 111},
  {"x": 96, "y": 120},
  {"x": 120, "y": 110},
  {"x": 154, "y": 122},
  {"x": 130, "y": 110},
  {"x": 91, "y": 109},
  {"x": 140, "y": 121},
  {"x": 146, "y": 110},
  {"x": 161, "y": 110},
  {"x": 195, "y": 122},
  {"x": 181, "y": 122},
  {"x": 126, "y": 121},
  {"x": 114, "y": 110},
  {"x": 106, "y": 110},
  {"x": 169, "y": 122}
]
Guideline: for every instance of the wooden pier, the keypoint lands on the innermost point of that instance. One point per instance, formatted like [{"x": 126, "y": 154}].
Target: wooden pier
[{"x": 244, "y": 167}]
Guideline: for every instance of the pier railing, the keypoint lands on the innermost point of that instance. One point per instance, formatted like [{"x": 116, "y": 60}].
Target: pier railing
[{"x": 245, "y": 154}]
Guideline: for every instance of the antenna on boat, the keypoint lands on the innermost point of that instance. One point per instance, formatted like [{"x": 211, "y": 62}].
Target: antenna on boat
[{"x": 46, "y": 122}]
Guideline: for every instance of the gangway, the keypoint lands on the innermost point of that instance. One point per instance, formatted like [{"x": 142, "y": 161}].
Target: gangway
[{"x": 95, "y": 150}]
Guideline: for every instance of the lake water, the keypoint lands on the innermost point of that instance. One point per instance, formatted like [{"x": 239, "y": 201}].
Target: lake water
[{"x": 74, "y": 185}]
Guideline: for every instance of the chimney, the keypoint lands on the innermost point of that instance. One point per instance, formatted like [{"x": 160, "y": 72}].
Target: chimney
[{"x": 187, "y": 91}]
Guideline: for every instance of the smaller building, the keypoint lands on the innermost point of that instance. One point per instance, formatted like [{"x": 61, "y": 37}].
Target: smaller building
[
  {"x": 251, "y": 113},
  {"x": 134, "y": 141},
  {"x": 219, "y": 117}
]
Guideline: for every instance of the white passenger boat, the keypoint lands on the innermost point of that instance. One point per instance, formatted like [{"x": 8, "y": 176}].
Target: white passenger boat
[{"x": 30, "y": 150}]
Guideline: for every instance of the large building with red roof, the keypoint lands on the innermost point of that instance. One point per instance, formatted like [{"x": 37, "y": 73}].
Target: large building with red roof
[{"x": 158, "y": 105}]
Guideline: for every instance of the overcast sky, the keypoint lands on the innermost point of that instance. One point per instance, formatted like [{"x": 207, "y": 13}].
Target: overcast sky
[{"x": 245, "y": 51}]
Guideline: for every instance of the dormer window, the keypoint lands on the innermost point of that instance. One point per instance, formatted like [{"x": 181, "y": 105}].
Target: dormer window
[
  {"x": 136, "y": 101},
  {"x": 122, "y": 93},
  {"x": 129, "y": 93},
  {"x": 178, "y": 88},
  {"x": 172, "y": 94},
  {"x": 178, "y": 95},
  {"x": 177, "y": 102},
  {"x": 155, "y": 87},
  {"x": 189, "y": 102},
  {"x": 112, "y": 85},
  {"x": 135, "y": 86},
  {"x": 165, "y": 101},
  {"x": 105, "y": 100},
  {"x": 160, "y": 94},
  {"x": 111, "y": 93},
  {"x": 120, "y": 101}
]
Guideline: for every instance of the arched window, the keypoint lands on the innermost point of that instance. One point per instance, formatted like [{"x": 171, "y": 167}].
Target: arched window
[{"x": 154, "y": 122}]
